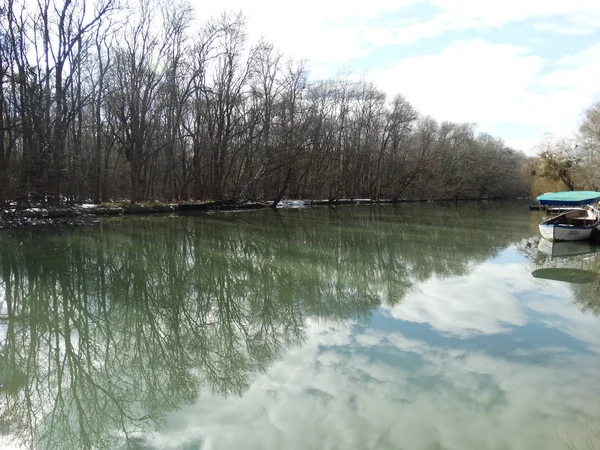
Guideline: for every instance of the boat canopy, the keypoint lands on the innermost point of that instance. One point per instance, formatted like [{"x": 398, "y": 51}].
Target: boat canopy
[{"x": 570, "y": 198}]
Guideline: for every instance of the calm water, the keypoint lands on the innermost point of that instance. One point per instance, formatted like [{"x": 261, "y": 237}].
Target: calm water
[{"x": 414, "y": 327}]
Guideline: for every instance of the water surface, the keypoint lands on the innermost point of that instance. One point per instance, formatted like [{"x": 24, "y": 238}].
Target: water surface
[{"x": 411, "y": 327}]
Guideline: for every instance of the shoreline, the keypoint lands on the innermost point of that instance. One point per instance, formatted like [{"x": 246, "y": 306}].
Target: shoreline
[{"x": 84, "y": 213}]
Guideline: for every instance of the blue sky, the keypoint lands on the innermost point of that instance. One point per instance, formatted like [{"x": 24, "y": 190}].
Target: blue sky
[{"x": 520, "y": 69}]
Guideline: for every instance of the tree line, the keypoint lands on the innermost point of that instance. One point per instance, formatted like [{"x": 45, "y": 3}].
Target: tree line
[
  {"x": 100, "y": 102},
  {"x": 568, "y": 163}
]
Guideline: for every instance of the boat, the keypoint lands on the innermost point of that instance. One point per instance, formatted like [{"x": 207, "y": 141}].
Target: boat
[
  {"x": 575, "y": 224},
  {"x": 556, "y": 210}
]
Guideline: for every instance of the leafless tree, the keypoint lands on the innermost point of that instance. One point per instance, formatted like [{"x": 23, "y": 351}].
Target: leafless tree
[{"x": 138, "y": 105}]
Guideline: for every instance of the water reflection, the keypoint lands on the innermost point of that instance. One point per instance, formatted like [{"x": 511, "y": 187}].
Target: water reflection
[
  {"x": 575, "y": 263},
  {"x": 565, "y": 249},
  {"x": 489, "y": 360},
  {"x": 106, "y": 330}
]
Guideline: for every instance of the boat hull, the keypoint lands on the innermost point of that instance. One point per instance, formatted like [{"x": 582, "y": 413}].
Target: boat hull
[{"x": 556, "y": 232}]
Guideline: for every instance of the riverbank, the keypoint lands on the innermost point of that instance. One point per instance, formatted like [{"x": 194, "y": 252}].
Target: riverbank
[
  {"x": 80, "y": 214},
  {"x": 12, "y": 216}
]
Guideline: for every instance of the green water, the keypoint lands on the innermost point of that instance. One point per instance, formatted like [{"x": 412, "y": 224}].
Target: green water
[{"x": 411, "y": 327}]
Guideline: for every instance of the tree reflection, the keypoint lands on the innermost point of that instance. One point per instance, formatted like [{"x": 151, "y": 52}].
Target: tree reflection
[{"x": 104, "y": 330}]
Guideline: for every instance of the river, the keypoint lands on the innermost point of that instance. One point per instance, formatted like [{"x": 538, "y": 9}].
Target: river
[{"x": 424, "y": 326}]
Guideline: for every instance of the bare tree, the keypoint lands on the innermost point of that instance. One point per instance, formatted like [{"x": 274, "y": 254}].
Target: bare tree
[{"x": 97, "y": 106}]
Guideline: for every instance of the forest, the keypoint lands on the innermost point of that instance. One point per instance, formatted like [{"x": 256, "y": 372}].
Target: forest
[{"x": 101, "y": 102}]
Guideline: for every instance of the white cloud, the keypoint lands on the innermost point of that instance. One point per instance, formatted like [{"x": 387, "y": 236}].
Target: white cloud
[
  {"x": 528, "y": 145},
  {"x": 467, "y": 81},
  {"x": 472, "y": 81},
  {"x": 335, "y": 31},
  {"x": 478, "y": 14},
  {"x": 490, "y": 83},
  {"x": 325, "y": 32},
  {"x": 350, "y": 29},
  {"x": 562, "y": 29}
]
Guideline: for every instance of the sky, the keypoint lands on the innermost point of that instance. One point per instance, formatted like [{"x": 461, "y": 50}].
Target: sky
[{"x": 520, "y": 69}]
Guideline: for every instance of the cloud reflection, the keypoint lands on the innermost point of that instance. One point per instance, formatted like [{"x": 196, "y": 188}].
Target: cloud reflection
[
  {"x": 378, "y": 387},
  {"x": 333, "y": 394}
]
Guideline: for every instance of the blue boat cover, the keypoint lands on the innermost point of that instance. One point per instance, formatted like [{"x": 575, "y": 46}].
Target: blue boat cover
[{"x": 569, "y": 198}]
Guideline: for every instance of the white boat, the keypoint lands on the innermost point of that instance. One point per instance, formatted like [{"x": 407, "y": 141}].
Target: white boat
[
  {"x": 552, "y": 212},
  {"x": 575, "y": 224}
]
